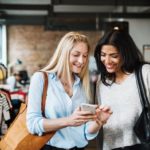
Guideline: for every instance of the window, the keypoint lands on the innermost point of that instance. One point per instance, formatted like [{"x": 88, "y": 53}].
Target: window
[
  {"x": 3, "y": 52},
  {"x": 146, "y": 52}
]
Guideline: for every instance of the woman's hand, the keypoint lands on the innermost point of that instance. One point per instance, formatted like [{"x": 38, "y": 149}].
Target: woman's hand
[
  {"x": 80, "y": 117},
  {"x": 102, "y": 115}
]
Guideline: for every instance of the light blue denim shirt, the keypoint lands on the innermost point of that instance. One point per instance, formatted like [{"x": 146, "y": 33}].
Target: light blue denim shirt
[{"x": 58, "y": 105}]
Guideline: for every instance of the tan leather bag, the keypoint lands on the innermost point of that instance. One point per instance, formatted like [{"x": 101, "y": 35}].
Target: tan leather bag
[{"x": 18, "y": 137}]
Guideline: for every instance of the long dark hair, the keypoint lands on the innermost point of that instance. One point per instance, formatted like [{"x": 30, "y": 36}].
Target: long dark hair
[{"x": 131, "y": 55}]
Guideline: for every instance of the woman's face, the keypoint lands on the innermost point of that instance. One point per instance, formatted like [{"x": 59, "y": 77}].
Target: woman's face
[
  {"x": 78, "y": 57},
  {"x": 111, "y": 58}
]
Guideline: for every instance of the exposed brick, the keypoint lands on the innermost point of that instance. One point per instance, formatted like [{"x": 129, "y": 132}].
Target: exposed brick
[{"x": 34, "y": 46}]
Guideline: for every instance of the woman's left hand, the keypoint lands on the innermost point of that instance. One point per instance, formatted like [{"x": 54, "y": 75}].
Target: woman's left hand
[{"x": 103, "y": 114}]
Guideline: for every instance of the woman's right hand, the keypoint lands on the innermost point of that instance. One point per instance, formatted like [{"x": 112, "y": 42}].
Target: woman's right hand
[{"x": 80, "y": 117}]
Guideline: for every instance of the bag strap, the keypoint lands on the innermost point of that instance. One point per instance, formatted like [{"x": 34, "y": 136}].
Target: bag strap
[
  {"x": 99, "y": 138},
  {"x": 141, "y": 88},
  {"x": 45, "y": 75}
]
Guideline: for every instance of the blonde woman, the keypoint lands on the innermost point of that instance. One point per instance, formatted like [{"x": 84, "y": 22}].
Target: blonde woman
[{"x": 68, "y": 88}]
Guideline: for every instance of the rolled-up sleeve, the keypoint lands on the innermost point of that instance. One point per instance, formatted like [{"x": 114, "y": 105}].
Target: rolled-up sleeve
[
  {"x": 88, "y": 135},
  {"x": 34, "y": 116}
]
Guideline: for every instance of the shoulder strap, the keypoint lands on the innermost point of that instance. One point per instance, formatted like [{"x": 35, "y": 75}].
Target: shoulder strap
[
  {"x": 99, "y": 138},
  {"x": 44, "y": 91},
  {"x": 141, "y": 88}
]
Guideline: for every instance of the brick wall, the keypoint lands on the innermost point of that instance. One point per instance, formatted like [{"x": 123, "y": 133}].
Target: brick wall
[{"x": 34, "y": 46}]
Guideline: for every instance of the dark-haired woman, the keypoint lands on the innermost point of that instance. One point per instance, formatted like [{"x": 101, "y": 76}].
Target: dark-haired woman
[{"x": 117, "y": 58}]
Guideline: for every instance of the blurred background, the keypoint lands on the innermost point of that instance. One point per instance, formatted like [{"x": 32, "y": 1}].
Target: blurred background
[{"x": 31, "y": 29}]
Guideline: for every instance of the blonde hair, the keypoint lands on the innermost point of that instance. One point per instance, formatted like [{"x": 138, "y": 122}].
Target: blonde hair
[{"x": 59, "y": 63}]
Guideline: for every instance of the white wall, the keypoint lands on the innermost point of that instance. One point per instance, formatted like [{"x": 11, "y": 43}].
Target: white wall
[{"x": 140, "y": 31}]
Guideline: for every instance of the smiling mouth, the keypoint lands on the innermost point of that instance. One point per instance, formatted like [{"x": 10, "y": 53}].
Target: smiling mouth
[
  {"x": 78, "y": 66},
  {"x": 109, "y": 67}
]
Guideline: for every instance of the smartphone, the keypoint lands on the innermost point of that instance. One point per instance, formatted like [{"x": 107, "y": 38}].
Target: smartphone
[{"x": 89, "y": 107}]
